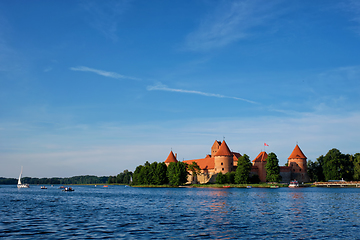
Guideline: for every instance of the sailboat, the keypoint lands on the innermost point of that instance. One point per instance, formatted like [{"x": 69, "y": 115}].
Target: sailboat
[{"x": 22, "y": 185}]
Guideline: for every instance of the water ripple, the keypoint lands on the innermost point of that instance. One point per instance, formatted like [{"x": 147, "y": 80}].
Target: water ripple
[{"x": 142, "y": 213}]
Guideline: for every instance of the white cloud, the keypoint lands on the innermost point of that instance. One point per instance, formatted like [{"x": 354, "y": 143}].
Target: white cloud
[
  {"x": 161, "y": 87},
  {"x": 230, "y": 22},
  {"x": 102, "y": 73}
]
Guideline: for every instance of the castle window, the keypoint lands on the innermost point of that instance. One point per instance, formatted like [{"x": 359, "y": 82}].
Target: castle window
[
  {"x": 223, "y": 169},
  {"x": 222, "y": 163},
  {"x": 294, "y": 170},
  {"x": 300, "y": 169}
]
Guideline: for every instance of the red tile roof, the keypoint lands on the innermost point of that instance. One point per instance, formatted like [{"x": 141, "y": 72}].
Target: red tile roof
[
  {"x": 204, "y": 163},
  {"x": 236, "y": 155},
  {"x": 297, "y": 153},
  {"x": 171, "y": 158},
  {"x": 261, "y": 157},
  {"x": 223, "y": 150}
]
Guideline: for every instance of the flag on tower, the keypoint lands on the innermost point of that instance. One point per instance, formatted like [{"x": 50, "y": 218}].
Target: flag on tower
[{"x": 266, "y": 145}]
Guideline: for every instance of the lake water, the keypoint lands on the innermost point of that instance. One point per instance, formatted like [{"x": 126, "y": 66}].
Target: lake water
[{"x": 119, "y": 212}]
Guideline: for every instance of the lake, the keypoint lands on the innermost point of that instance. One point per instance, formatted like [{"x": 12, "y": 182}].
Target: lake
[{"x": 119, "y": 212}]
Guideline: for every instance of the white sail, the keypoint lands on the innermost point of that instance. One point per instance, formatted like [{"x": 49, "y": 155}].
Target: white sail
[
  {"x": 19, "y": 181},
  {"x": 20, "y": 185}
]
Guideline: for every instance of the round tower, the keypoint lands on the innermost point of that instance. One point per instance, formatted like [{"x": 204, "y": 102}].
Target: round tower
[
  {"x": 260, "y": 162},
  {"x": 298, "y": 164},
  {"x": 223, "y": 159}
]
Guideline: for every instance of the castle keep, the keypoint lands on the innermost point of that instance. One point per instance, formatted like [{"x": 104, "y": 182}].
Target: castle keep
[{"x": 223, "y": 160}]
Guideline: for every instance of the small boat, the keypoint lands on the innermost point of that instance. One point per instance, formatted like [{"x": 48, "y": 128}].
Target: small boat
[
  {"x": 226, "y": 186},
  {"x": 105, "y": 186},
  {"x": 68, "y": 189},
  {"x": 62, "y": 187},
  {"x": 43, "y": 187},
  {"x": 22, "y": 185},
  {"x": 294, "y": 184},
  {"x": 248, "y": 186},
  {"x": 274, "y": 186}
]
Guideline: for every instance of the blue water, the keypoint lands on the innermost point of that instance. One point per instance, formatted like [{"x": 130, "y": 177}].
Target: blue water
[{"x": 119, "y": 212}]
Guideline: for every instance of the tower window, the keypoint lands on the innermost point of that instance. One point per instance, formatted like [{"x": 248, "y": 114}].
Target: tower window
[
  {"x": 223, "y": 169},
  {"x": 222, "y": 163}
]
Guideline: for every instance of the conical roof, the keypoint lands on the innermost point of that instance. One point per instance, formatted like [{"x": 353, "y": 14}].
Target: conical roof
[
  {"x": 261, "y": 157},
  {"x": 297, "y": 153},
  {"x": 223, "y": 150},
  {"x": 171, "y": 158}
]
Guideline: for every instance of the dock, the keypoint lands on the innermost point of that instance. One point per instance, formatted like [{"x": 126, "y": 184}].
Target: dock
[{"x": 338, "y": 184}]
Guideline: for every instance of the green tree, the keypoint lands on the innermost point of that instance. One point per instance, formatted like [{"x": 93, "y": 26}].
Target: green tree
[
  {"x": 230, "y": 177},
  {"x": 177, "y": 173},
  {"x": 315, "y": 170},
  {"x": 138, "y": 178},
  {"x": 195, "y": 170},
  {"x": 254, "y": 179},
  {"x": 220, "y": 178},
  {"x": 356, "y": 161},
  {"x": 243, "y": 169},
  {"x": 160, "y": 174},
  {"x": 152, "y": 173},
  {"x": 337, "y": 166},
  {"x": 272, "y": 168}
]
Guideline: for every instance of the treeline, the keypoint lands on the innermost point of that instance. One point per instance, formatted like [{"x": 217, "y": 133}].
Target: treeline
[
  {"x": 159, "y": 174},
  {"x": 87, "y": 179},
  {"x": 122, "y": 178},
  {"x": 335, "y": 166}
]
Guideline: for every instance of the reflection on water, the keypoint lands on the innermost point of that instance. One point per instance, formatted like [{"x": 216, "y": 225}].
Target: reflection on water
[{"x": 133, "y": 213}]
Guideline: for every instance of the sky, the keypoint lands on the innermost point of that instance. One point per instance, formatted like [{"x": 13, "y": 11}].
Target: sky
[{"x": 97, "y": 87}]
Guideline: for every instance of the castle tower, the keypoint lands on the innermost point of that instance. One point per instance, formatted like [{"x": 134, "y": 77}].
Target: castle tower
[
  {"x": 215, "y": 147},
  {"x": 298, "y": 164},
  {"x": 260, "y": 162},
  {"x": 170, "y": 158},
  {"x": 223, "y": 159}
]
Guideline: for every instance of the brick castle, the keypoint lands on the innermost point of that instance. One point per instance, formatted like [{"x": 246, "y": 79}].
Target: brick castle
[{"x": 223, "y": 160}]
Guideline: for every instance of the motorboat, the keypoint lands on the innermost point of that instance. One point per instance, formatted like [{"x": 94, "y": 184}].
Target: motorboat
[
  {"x": 68, "y": 189},
  {"x": 22, "y": 185},
  {"x": 43, "y": 187},
  {"x": 294, "y": 184}
]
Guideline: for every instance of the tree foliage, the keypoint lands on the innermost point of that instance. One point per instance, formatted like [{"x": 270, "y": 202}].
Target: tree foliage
[
  {"x": 243, "y": 169},
  {"x": 315, "y": 170},
  {"x": 177, "y": 173},
  {"x": 86, "y": 179},
  {"x": 272, "y": 168},
  {"x": 230, "y": 177},
  {"x": 337, "y": 166},
  {"x": 220, "y": 178},
  {"x": 356, "y": 162},
  {"x": 150, "y": 174},
  {"x": 121, "y": 178},
  {"x": 160, "y": 174}
]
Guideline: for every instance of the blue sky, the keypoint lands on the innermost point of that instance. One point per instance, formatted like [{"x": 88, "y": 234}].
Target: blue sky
[{"x": 97, "y": 87}]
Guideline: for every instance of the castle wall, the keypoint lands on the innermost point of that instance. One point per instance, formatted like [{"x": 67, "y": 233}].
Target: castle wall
[
  {"x": 285, "y": 173},
  {"x": 300, "y": 177}
]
